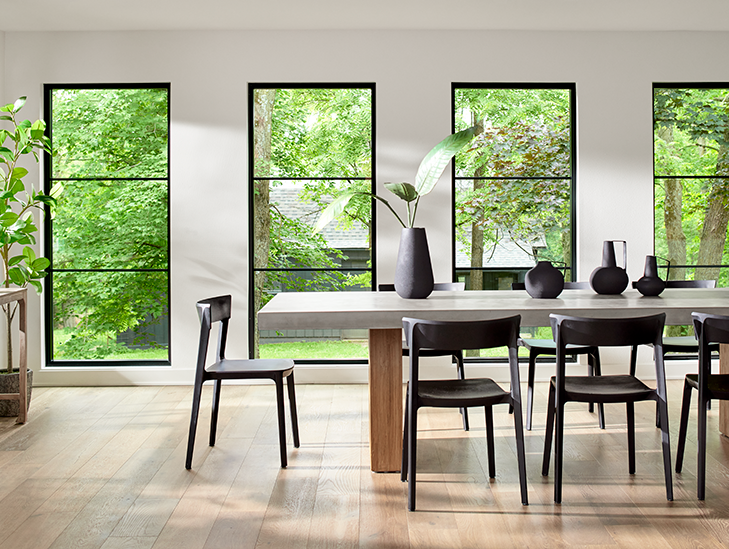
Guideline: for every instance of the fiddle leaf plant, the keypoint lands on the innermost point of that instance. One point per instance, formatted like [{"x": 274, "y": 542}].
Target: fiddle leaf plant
[
  {"x": 18, "y": 203},
  {"x": 428, "y": 174}
]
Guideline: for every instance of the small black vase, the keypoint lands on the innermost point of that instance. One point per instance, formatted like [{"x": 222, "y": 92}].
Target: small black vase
[
  {"x": 544, "y": 281},
  {"x": 609, "y": 279},
  {"x": 650, "y": 284},
  {"x": 413, "y": 272}
]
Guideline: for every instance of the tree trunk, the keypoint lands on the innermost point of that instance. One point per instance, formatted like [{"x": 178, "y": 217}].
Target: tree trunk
[
  {"x": 713, "y": 233},
  {"x": 477, "y": 240},
  {"x": 263, "y": 102}
]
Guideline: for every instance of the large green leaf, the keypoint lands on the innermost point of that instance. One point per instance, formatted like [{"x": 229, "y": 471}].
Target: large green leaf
[
  {"x": 404, "y": 191},
  {"x": 333, "y": 210},
  {"x": 435, "y": 162}
]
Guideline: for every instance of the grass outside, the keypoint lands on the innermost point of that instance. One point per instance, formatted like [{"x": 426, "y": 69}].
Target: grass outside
[{"x": 63, "y": 335}]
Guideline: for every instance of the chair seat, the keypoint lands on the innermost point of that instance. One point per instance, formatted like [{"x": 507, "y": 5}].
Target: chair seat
[
  {"x": 549, "y": 346},
  {"x": 684, "y": 344},
  {"x": 259, "y": 367},
  {"x": 613, "y": 388},
  {"x": 718, "y": 384},
  {"x": 459, "y": 393}
]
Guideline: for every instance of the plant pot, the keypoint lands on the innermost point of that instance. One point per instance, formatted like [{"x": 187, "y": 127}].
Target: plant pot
[
  {"x": 544, "y": 281},
  {"x": 609, "y": 279},
  {"x": 10, "y": 383},
  {"x": 414, "y": 271}
]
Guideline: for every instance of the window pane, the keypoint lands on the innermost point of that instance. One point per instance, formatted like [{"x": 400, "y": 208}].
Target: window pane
[
  {"x": 109, "y": 274},
  {"x": 513, "y": 187},
  {"x": 111, "y": 224},
  {"x": 309, "y": 146},
  {"x": 691, "y": 137},
  {"x": 110, "y": 315},
  {"x": 110, "y": 132}
]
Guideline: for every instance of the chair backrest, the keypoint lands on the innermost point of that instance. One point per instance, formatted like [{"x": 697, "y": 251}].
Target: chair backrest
[
  {"x": 709, "y": 329},
  {"x": 460, "y": 335},
  {"x": 474, "y": 334},
  {"x": 211, "y": 310},
  {"x": 567, "y": 285},
  {"x": 608, "y": 332},
  {"x": 690, "y": 283},
  {"x": 437, "y": 287}
]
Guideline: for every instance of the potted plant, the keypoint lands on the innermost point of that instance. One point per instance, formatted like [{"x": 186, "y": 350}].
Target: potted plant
[
  {"x": 19, "y": 200},
  {"x": 413, "y": 273}
]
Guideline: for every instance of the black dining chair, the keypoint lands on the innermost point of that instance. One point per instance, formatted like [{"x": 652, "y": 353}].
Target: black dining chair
[
  {"x": 455, "y": 353},
  {"x": 547, "y": 347},
  {"x": 608, "y": 332},
  {"x": 710, "y": 330},
  {"x": 218, "y": 310},
  {"x": 679, "y": 344},
  {"x": 460, "y": 393}
]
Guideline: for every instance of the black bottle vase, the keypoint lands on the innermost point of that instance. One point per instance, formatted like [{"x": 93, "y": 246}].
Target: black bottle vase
[
  {"x": 609, "y": 279},
  {"x": 414, "y": 271},
  {"x": 650, "y": 283},
  {"x": 544, "y": 281}
]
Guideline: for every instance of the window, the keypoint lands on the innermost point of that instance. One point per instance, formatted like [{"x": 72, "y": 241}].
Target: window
[
  {"x": 107, "y": 297},
  {"x": 513, "y": 187},
  {"x": 308, "y": 144},
  {"x": 691, "y": 179}
]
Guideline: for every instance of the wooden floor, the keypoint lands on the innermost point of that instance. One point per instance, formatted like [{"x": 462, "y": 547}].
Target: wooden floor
[{"x": 104, "y": 468}]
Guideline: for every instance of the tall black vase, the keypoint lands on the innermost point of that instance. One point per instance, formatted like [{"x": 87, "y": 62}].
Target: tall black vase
[
  {"x": 414, "y": 271},
  {"x": 610, "y": 279},
  {"x": 650, "y": 284}
]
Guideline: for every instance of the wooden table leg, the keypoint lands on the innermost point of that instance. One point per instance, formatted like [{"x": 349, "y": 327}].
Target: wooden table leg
[
  {"x": 386, "y": 400},
  {"x": 724, "y": 404}
]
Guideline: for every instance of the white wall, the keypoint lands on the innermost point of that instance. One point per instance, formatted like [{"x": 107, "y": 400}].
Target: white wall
[{"x": 413, "y": 71}]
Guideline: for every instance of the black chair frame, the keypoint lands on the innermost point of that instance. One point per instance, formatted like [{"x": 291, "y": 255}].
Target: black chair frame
[
  {"x": 218, "y": 309},
  {"x": 711, "y": 330},
  {"x": 458, "y": 393},
  {"x": 543, "y": 347},
  {"x": 457, "y": 354},
  {"x": 608, "y": 332}
]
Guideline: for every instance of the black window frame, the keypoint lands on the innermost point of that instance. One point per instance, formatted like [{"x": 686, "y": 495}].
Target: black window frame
[
  {"x": 48, "y": 182},
  {"x": 252, "y": 86},
  {"x": 568, "y": 86}
]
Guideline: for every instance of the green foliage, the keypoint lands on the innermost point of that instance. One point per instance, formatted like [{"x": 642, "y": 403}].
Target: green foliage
[
  {"x": 691, "y": 142},
  {"x": 113, "y": 214},
  {"x": 18, "y": 202},
  {"x": 526, "y": 135}
]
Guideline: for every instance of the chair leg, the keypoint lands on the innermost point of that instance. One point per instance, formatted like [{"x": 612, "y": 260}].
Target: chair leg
[
  {"x": 214, "y": 412},
  {"x": 405, "y": 440},
  {"x": 196, "y": 393},
  {"x": 292, "y": 405},
  {"x": 558, "y": 448},
  {"x": 462, "y": 375},
  {"x": 701, "y": 457},
  {"x": 281, "y": 420},
  {"x": 683, "y": 428},
  {"x": 598, "y": 372},
  {"x": 412, "y": 456},
  {"x": 521, "y": 453},
  {"x": 530, "y": 388},
  {"x": 490, "y": 440},
  {"x": 666, "y": 446},
  {"x": 633, "y": 359},
  {"x": 549, "y": 430},
  {"x": 630, "y": 414}
]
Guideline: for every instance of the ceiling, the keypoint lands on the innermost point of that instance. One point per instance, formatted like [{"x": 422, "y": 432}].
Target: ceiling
[{"x": 592, "y": 15}]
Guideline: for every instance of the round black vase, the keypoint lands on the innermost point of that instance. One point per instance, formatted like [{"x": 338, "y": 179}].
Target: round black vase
[
  {"x": 414, "y": 271},
  {"x": 544, "y": 281},
  {"x": 609, "y": 279},
  {"x": 650, "y": 284}
]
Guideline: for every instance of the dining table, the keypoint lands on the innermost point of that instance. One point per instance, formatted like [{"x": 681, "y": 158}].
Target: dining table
[{"x": 381, "y": 313}]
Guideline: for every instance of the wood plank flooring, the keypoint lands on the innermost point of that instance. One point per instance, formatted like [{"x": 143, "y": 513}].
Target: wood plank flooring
[{"x": 104, "y": 468}]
